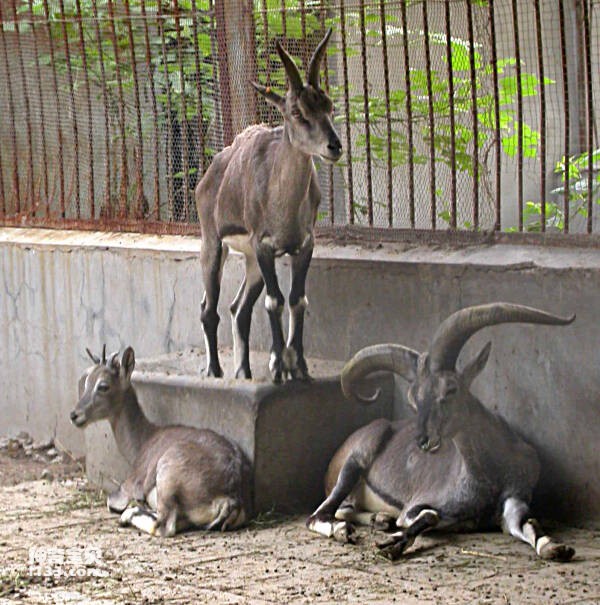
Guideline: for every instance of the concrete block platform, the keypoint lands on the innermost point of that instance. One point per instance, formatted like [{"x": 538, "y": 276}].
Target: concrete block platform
[{"x": 289, "y": 432}]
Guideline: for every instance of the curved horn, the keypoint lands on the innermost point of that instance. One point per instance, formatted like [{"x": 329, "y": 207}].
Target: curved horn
[
  {"x": 314, "y": 67},
  {"x": 377, "y": 358},
  {"x": 454, "y": 331},
  {"x": 104, "y": 353},
  {"x": 92, "y": 356},
  {"x": 290, "y": 69}
]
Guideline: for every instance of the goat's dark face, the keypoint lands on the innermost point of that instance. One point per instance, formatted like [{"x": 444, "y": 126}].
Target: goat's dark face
[
  {"x": 439, "y": 397},
  {"x": 309, "y": 118},
  {"x": 104, "y": 385},
  {"x": 436, "y": 397}
]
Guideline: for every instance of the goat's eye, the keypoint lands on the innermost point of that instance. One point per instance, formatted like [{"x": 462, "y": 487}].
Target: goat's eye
[
  {"x": 103, "y": 387},
  {"x": 451, "y": 390},
  {"x": 297, "y": 114}
]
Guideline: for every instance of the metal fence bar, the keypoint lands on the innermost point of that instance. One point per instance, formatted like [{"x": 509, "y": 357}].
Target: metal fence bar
[
  {"x": 347, "y": 113},
  {"x": 156, "y": 132},
  {"x": 331, "y": 190},
  {"x": 452, "y": 115},
  {"x": 224, "y": 80},
  {"x": 587, "y": 43},
  {"x": 88, "y": 98},
  {"x": 199, "y": 100},
  {"x": 388, "y": 114},
  {"x": 139, "y": 151},
  {"x": 73, "y": 109},
  {"x": 409, "y": 114},
  {"x": 13, "y": 132},
  {"x": 431, "y": 120},
  {"x": 183, "y": 120},
  {"x": 106, "y": 204},
  {"x": 518, "y": 70},
  {"x": 123, "y": 189},
  {"x": 283, "y": 20},
  {"x": 497, "y": 141},
  {"x": 363, "y": 54},
  {"x": 475, "y": 116},
  {"x": 30, "y": 199},
  {"x": 567, "y": 117},
  {"x": 169, "y": 116},
  {"x": 540, "y": 53}
]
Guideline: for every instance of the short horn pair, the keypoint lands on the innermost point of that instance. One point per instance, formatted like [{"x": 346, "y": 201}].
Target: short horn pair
[{"x": 313, "y": 77}]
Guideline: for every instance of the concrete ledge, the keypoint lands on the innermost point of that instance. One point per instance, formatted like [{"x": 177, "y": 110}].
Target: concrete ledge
[{"x": 289, "y": 432}]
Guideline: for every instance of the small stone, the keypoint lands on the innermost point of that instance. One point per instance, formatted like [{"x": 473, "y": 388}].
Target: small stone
[
  {"x": 47, "y": 475},
  {"x": 25, "y": 437},
  {"x": 13, "y": 446},
  {"x": 52, "y": 452},
  {"x": 4, "y": 442},
  {"x": 38, "y": 458},
  {"x": 44, "y": 444},
  {"x": 57, "y": 460}
]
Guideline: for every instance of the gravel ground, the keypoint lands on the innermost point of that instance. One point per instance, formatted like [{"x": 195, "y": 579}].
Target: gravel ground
[{"x": 62, "y": 525}]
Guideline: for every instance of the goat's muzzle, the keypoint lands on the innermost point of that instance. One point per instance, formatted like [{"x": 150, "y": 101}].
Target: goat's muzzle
[{"x": 76, "y": 419}]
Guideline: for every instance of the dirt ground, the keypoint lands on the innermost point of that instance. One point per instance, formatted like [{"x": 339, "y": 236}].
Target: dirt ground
[{"x": 59, "y": 544}]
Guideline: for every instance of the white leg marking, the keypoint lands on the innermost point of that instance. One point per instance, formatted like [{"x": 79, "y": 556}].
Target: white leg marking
[
  {"x": 541, "y": 543},
  {"x": 512, "y": 516},
  {"x": 295, "y": 311},
  {"x": 138, "y": 518},
  {"x": 271, "y": 303},
  {"x": 272, "y": 361},
  {"x": 328, "y": 528}
]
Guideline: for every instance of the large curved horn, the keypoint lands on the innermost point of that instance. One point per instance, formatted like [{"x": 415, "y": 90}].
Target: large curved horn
[
  {"x": 314, "y": 67},
  {"x": 377, "y": 358},
  {"x": 454, "y": 331},
  {"x": 290, "y": 69}
]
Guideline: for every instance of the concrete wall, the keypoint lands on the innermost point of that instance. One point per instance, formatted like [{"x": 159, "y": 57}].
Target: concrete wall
[{"x": 61, "y": 292}]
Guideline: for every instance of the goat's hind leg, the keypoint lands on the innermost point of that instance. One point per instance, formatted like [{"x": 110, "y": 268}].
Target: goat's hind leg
[
  {"x": 212, "y": 258},
  {"x": 517, "y": 522},
  {"x": 241, "y": 317},
  {"x": 274, "y": 303}
]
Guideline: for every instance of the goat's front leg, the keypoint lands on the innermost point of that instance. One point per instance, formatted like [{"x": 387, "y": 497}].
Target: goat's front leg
[
  {"x": 241, "y": 316},
  {"x": 295, "y": 364},
  {"x": 420, "y": 519},
  {"x": 212, "y": 258},
  {"x": 274, "y": 301}
]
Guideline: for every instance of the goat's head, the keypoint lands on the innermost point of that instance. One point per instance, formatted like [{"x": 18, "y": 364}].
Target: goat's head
[
  {"x": 306, "y": 108},
  {"x": 437, "y": 389},
  {"x": 103, "y": 387}
]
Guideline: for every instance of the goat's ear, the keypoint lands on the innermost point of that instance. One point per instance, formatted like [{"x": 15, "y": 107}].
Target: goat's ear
[
  {"x": 475, "y": 367},
  {"x": 271, "y": 96},
  {"x": 127, "y": 364}
]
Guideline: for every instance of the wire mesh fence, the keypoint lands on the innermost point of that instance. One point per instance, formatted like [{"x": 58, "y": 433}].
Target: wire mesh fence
[{"x": 455, "y": 115}]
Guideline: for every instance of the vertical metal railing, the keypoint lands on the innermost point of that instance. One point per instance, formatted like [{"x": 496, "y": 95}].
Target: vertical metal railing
[
  {"x": 409, "y": 114},
  {"x": 113, "y": 110}
]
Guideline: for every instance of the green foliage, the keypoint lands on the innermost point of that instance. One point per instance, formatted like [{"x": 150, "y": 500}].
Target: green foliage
[
  {"x": 102, "y": 55},
  {"x": 576, "y": 174}
]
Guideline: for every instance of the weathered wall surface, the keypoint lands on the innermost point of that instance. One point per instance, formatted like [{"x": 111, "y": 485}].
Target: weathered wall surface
[{"x": 61, "y": 292}]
